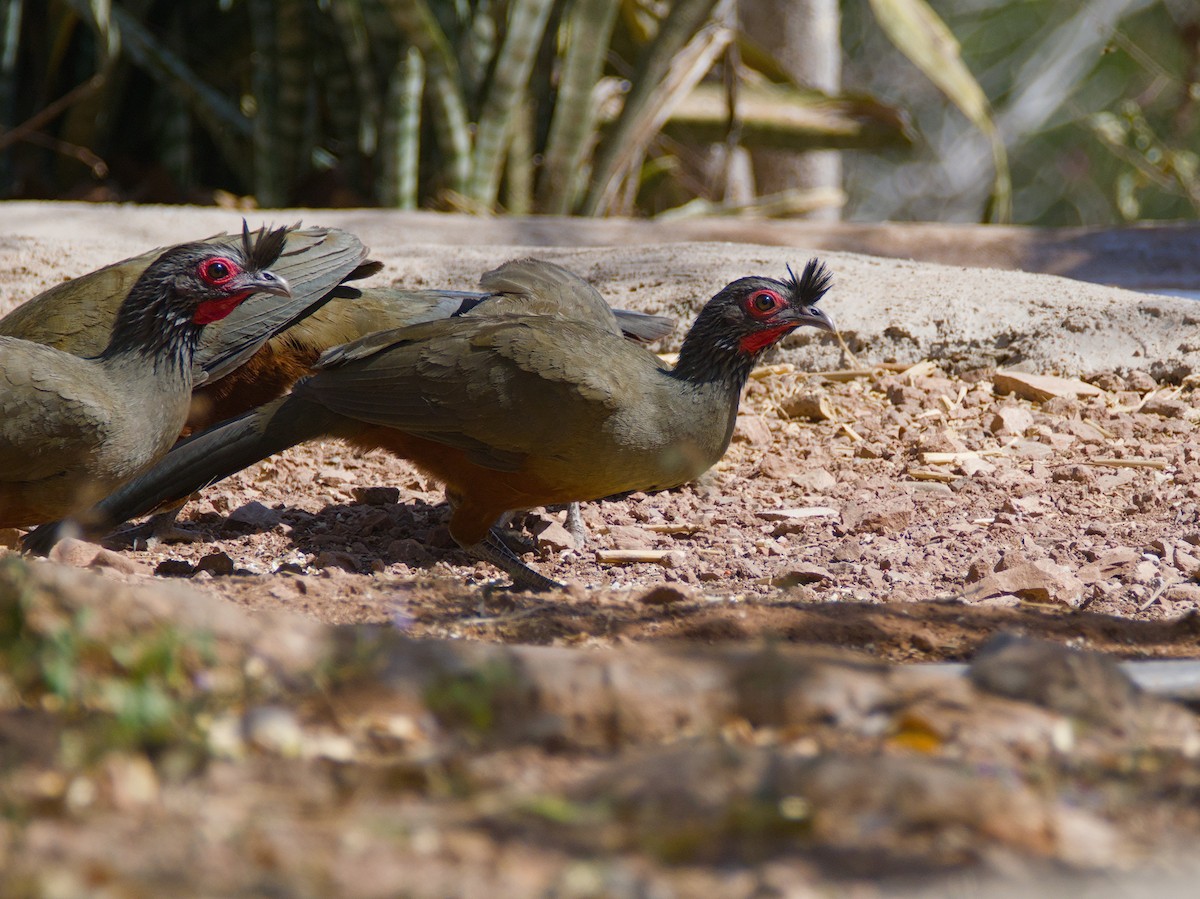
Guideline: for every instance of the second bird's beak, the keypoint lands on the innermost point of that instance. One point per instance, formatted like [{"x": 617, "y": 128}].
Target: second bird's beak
[
  {"x": 265, "y": 282},
  {"x": 813, "y": 317}
]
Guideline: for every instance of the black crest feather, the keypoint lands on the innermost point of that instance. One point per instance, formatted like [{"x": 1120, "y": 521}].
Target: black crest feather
[
  {"x": 813, "y": 284},
  {"x": 265, "y": 248}
]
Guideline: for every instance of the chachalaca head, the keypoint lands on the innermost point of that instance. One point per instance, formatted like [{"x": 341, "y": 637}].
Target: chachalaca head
[
  {"x": 74, "y": 427},
  {"x": 746, "y": 318},
  {"x": 190, "y": 286}
]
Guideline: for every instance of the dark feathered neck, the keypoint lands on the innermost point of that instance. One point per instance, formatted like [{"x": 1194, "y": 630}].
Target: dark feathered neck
[
  {"x": 711, "y": 355},
  {"x": 154, "y": 324}
]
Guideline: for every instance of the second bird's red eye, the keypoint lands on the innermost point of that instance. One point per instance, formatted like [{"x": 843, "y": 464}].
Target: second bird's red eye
[
  {"x": 217, "y": 271},
  {"x": 763, "y": 302}
]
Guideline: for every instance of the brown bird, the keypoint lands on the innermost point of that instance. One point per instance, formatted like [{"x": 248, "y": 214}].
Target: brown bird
[
  {"x": 73, "y": 428},
  {"x": 514, "y": 410}
]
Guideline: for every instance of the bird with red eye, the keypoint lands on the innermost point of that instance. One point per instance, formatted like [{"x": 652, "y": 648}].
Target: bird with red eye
[{"x": 72, "y": 427}]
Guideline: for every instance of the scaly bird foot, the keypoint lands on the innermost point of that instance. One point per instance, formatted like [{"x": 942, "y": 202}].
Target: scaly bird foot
[
  {"x": 493, "y": 549},
  {"x": 161, "y": 528}
]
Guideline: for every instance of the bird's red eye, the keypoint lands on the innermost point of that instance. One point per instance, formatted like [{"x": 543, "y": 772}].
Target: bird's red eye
[
  {"x": 217, "y": 271},
  {"x": 762, "y": 303}
]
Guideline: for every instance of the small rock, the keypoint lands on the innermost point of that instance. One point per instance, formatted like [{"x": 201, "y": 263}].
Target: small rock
[
  {"x": 175, "y": 568},
  {"x": 1140, "y": 381},
  {"x": 810, "y": 406},
  {"x": 881, "y": 516},
  {"x": 255, "y": 514},
  {"x": 1040, "y": 388},
  {"x": 1031, "y": 449},
  {"x": 664, "y": 596},
  {"x": 1080, "y": 474},
  {"x": 752, "y": 429},
  {"x": 1042, "y": 581},
  {"x": 1186, "y": 562},
  {"x": 1026, "y": 505},
  {"x": 817, "y": 480},
  {"x": 555, "y": 538},
  {"x": 1182, "y": 593},
  {"x": 1082, "y": 431},
  {"x": 973, "y": 465},
  {"x": 1167, "y": 408},
  {"x": 1111, "y": 564},
  {"x": 74, "y": 552},
  {"x": 799, "y": 575},
  {"x": 409, "y": 551},
  {"x": 217, "y": 564},
  {"x": 626, "y": 537},
  {"x": 129, "y": 782},
  {"x": 1010, "y": 420},
  {"x": 376, "y": 496},
  {"x": 273, "y": 729},
  {"x": 1145, "y": 572},
  {"x": 332, "y": 558}
]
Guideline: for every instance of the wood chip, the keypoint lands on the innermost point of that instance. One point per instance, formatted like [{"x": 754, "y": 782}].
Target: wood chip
[
  {"x": 767, "y": 371},
  {"x": 1040, "y": 388},
  {"x": 1132, "y": 462},
  {"x": 811, "y": 406},
  {"x": 931, "y": 474},
  {"x": 793, "y": 514},
  {"x": 848, "y": 374},
  {"x": 632, "y": 556},
  {"x": 922, "y": 369},
  {"x": 675, "y": 527},
  {"x": 952, "y": 458}
]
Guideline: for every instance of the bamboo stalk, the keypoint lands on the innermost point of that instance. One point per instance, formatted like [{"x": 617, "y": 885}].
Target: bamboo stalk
[{"x": 514, "y": 62}]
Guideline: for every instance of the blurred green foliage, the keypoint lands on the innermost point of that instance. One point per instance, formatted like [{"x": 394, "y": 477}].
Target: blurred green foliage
[
  {"x": 1097, "y": 102},
  {"x": 599, "y": 106},
  {"x": 519, "y": 105}
]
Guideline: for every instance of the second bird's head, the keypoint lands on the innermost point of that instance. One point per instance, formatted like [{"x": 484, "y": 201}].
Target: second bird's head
[
  {"x": 751, "y": 314},
  {"x": 201, "y": 283}
]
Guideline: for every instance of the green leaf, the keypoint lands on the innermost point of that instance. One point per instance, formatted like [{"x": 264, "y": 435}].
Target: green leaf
[{"x": 920, "y": 35}]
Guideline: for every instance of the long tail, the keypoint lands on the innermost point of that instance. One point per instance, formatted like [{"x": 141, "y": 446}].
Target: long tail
[{"x": 200, "y": 461}]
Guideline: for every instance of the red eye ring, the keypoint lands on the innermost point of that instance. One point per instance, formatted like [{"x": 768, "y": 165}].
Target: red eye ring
[
  {"x": 218, "y": 270},
  {"x": 763, "y": 302}
]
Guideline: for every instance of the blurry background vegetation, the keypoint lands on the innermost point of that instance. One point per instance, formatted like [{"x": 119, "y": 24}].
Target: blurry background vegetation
[{"x": 603, "y": 107}]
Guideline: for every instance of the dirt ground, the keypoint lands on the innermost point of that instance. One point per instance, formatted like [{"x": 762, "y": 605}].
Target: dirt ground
[
  {"x": 323, "y": 696},
  {"x": 884, "y": 528}
]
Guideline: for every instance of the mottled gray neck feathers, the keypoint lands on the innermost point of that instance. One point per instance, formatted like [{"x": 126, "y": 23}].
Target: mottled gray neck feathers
[{"x": 153, "y": 323}]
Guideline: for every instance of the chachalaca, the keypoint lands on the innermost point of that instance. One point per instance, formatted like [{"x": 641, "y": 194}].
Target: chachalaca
[
  {"x": 72, "y": 428},
  {"x": 512, "y": 410},
  {"x": 232, "y": 354}
]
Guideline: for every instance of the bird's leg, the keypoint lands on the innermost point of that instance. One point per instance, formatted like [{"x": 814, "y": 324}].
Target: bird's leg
[
  {"x": 161, "y": 528},
  {"x": 575, "y": 526},
  {"x": 493, "y": 549}
]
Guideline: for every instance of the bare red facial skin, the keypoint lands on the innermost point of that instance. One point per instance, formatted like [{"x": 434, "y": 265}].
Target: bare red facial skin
[
  {"x": 214, "y": 310},
  {"x": 759, "y": 340}
]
